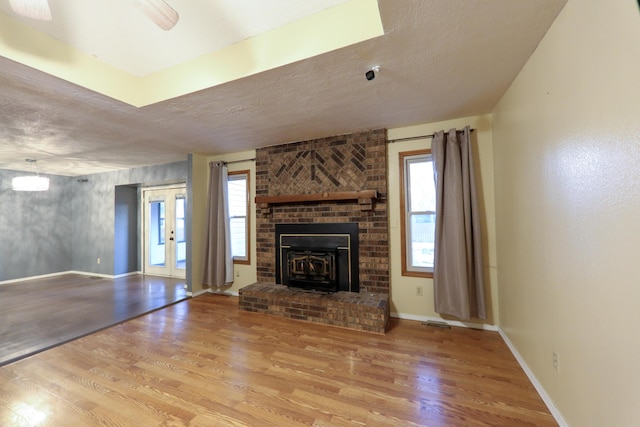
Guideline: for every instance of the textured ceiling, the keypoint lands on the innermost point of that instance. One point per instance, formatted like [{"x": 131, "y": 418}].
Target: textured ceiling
[{"x": 439, "y": 60}]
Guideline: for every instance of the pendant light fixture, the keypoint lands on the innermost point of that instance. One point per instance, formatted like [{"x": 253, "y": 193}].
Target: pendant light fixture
[
  {"x": 30, "y": 182},
  {"x": 34, "y": 9}
]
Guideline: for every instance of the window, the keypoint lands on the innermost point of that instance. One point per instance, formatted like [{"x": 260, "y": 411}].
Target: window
[
  {"x": 180, "y": 205},
  {"x": 238, "y": 189},
  {"x": 418, "y": 208},
  {"x": 160, "y": 207}
]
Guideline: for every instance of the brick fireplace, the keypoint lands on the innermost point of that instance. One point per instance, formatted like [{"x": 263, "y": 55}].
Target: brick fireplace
[{"x": 340, "y": 179}]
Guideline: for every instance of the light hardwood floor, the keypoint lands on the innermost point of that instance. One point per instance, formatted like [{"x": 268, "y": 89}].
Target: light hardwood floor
[{"x": 203, "y": 362}]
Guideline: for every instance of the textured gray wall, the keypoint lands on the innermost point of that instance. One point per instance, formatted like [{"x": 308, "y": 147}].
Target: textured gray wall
[
  {"x": 126, "y": 230},
  {"x": 35, "y": 228},
  {"x": 74, "y": 223},
  {"x": 93, "y": 231}
]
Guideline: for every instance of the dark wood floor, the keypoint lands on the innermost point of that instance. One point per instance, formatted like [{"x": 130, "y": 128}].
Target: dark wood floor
[
  {"x": 38, "y": 314},
  {"x": 203, "y": 362}
]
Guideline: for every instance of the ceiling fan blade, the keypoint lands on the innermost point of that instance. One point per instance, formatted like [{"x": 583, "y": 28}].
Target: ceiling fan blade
[
  {"x": 163, "y": 15},
  {"x": 34, "y": 9}
]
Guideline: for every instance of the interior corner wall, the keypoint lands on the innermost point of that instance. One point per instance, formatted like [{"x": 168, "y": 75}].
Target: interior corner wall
[
  {"x": 76, "y": 222},
  {"x": 244, "y": 274},
  {"x": 35, "y": 228},
  {"x": 566, "y": 154},
  {"x": 404, "y": 301},
  {"x": 126, "y": 244},
  {"x": 196, "y": 220},
  {"x": 93, "y": 229}
]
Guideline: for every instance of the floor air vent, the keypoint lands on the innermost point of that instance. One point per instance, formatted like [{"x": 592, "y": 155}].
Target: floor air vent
[{"x": 436, "y": 324}]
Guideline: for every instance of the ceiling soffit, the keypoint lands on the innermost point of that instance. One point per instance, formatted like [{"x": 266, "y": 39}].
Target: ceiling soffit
[{"x": 345, "y": 24}]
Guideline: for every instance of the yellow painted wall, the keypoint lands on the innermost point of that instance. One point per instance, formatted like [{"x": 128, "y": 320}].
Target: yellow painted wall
[
  {"x": 38, "y": 50},
  {"x": 404, "y": 302},
  {"x": 567, "y": 172},
  {"x": 244, "y": 274},
  {"x": 199, "y": 188}
]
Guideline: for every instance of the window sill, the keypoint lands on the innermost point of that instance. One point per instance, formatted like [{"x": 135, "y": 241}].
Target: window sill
[{"x": 425, "y": 274}]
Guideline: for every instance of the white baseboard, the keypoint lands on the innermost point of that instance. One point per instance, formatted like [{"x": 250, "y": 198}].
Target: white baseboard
[
  {"x": 60, "y": 273},
  {"x": 198, "y": 293},
  {"x": 213, "y": 291},
  {"x": 88, "y": 273},
  {"x": 41, "y": 276},
  {"x": 132, "y": 273},
  {"x": 541, "y": 391},
  {"x": 471, "y": 325},
  {"x": 106, "y": 276},
  {"x": 222, "y": 292}
]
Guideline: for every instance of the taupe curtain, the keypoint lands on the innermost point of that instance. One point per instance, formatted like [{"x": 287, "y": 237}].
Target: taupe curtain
[
  {"x": 457, "y": 270},
  {"x": 218, "y": 263}
]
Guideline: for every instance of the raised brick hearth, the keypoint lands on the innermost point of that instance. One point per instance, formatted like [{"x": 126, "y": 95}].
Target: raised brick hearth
[{"x": 361, "y": 311}]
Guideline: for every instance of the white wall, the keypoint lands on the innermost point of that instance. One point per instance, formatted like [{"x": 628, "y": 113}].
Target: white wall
[
  {"x": 567, "y": 173},
  {"x": 404, "y": 301}
]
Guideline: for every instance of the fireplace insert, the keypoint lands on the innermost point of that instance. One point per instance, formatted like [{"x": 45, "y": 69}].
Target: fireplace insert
[
  {"x": 318, "y": 257},
  {"x": 312, "y": 268}
]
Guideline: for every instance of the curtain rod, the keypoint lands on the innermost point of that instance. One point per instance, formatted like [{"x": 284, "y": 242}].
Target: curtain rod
[
  {"x": 413, "y": 138},
  {"x": 239, "y": 161}
]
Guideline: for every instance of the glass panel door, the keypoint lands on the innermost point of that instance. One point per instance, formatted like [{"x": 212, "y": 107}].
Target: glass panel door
[
  {"x": 164, "y": 230},
  {"x": 180, "y": 253},
  {"x": 156, "y": 243}
]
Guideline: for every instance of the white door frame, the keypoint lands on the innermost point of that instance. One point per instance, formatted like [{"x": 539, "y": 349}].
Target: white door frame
[{"x": 168, "y": 194}]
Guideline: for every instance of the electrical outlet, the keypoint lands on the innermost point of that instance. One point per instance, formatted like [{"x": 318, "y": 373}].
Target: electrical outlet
[
  {"x": 98, "y": 261},
  {"x": 419, "y": 291},
  {"x": 556, "y": 362},
  {"x": 237, "y": 274}
]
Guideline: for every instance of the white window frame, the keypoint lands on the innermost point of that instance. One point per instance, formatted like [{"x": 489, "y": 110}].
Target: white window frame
[
  {"x": 405, "y": 218},
  {"x": 243, "y": 175}
]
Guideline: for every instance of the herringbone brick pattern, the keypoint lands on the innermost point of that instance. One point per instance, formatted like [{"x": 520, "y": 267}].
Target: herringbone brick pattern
[{"x": 320, "y": 168}]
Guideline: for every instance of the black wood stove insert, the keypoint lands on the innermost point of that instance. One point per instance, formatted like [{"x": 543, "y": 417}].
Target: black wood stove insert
[{"x": 318, "y": 257}]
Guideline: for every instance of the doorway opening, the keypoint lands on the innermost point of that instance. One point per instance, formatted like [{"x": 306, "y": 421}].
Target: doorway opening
[{"x": 165, "y": 231}]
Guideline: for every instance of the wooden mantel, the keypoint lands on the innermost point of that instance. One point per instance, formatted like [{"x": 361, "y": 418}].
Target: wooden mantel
[{"x": 365, "y": 199}]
